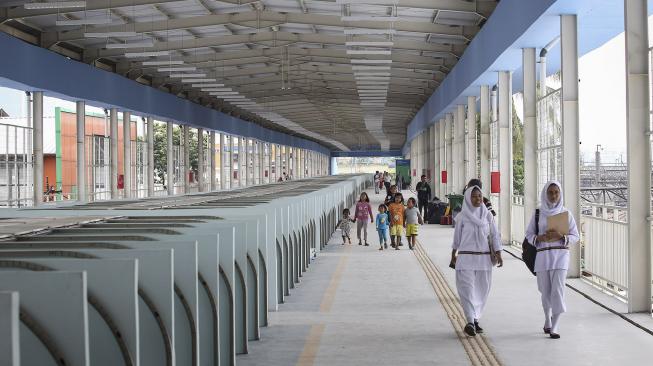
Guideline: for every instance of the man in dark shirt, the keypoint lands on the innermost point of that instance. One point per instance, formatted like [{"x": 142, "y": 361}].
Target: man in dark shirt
[{"x": 423, "y": 196}]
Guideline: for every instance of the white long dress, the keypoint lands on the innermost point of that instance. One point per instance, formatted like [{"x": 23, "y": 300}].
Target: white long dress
[
  {"x": 551, "y": 265},
  {"x": 474, "y": 271}
]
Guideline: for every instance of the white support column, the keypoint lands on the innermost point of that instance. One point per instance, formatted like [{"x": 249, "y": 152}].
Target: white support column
[
  {"x": 472, "y": 166},
  {"x": 229, "y": 156},
  {"x": 37, "y": 143},
  {"x": 212, "y": 152},
  {"x": 186, "y": 147},
  {"x": 505, "y": 153},
  {"x": 170, "y": 171},
  {"x": 639, "y": 150},
  {"x": 435, "y": 176},
  {"x": 431, "y": 157},
  {"x": 126, "y": 154},
  {"x": 570, "y": 130},
  {"x": 486, "y": 145},
  {"x": 449, "y": 153},
  {"x": 461, "y": 167},
  {"x": 113, "y": 143},
  {"x": 260, "y": 156},
  {"x": 242, "y": 163},
  {"x": 223, "y": 160},
  {"x": 529, "y": 68},
  {"x": 270, "y": 157},
  {"x": 80, "y": 113},
  {"x": 287, "y": 160},
  {"x": 150, "y": 156},
  {"x": 200, "y": 159},
  {"x": 442, "y": 138}
]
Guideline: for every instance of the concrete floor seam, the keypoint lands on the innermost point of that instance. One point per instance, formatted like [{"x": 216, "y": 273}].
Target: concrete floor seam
[{"x": 477, "y": 348}]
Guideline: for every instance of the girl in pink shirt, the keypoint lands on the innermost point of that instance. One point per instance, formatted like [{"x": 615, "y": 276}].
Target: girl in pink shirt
[{"x": 362, "y": 215}]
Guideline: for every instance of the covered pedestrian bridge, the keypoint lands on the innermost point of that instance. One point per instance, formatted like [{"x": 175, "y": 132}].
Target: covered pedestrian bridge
[{"x": 172, "y": 171}]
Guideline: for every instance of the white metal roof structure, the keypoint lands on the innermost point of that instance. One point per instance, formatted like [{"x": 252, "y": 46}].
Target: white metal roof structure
[{"x": 347, "y": 73}]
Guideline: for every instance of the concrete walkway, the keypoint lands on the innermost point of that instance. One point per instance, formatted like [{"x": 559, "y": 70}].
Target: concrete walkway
[{"x": 360, "y": 306}]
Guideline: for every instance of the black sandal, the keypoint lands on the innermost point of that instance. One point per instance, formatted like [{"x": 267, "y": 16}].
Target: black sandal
[
  {"x": 554, "y": 335},
  {"x": 546, "y": 330},
  {"x": 470, "y": 330},
  {"x": 478, "y": 328}
]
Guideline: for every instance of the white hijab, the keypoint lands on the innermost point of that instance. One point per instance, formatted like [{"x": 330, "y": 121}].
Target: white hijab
[
  {"x": 550, "y": 208},
  {"x": 476, "y": 217}
]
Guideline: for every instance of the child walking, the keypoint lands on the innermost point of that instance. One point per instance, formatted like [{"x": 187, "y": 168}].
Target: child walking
[
  {"x": 396, "y": 209},
  {"x": 412, "y": 219},
  {"x": 345, "y": 226},
  {"x": 362, "y": 215},
  {"x": 382, "y": 221}
]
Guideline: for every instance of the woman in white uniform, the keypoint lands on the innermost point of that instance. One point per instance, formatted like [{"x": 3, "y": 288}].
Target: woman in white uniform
[
  {"x": 552, "y": 261},
  {"x": 476, "y": 242}
]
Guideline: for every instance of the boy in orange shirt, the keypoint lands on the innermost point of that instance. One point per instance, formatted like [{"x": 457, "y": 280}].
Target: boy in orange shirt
[{"x": 396, "y": 210}]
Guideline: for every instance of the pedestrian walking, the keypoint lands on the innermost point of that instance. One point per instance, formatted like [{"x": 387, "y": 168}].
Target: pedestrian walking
[
  {"x": 423, "y": 195},
  {"x": 382, "y": 224},
  {"x": 412, "y": 220},
  {"x": 377, "y": 178},
  {"x": 396, "y": 210},
  {"x": 552, "y": 259},
  {"x": 473, "y": 256},
  {"x": 345, "y": 226},
  {"x": 362, "y": 215}
]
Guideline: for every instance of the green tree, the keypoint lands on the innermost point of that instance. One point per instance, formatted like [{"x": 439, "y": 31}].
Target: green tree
[
  {"x": 517, "y": 154},
  {"x": 161, "y": 150}
]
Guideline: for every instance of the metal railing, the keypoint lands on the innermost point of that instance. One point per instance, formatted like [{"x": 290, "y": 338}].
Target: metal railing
[
  {"x": 604, "y": 248},
  {"x": 16, "y": 166},
  {"x": 517, "y": 213}
]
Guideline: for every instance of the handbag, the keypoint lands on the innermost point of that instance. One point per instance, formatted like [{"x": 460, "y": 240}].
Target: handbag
[{"x": 529, "y": 252}]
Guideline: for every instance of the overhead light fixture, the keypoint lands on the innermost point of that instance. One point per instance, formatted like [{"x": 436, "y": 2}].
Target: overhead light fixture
[
  {"x": 233, "y": 97},
  {"x": 190, "y": 81},
  {"x": 176, "y": 69},
  {"x": 367, "y": 2},
  {"x": 147, "y": 54},
  {"x": 115, "y": 46},
  {"x": 369, "y": 18},
  {"x": 55, "y": 5},
  {"x": 109, "y": 34},
  {"x": 372, "y": 73},
  {"x": 370, "y": 68},
  {"x": 216, "y": 89},
  {"x": 226, "y": 94},
  {"x": 364, "y": 61},
  {"x": 86, "y": 21},
  {"x": 368, "y": 31},
  {"x": 372, "y": 78},
  {"x": 380, "y": 83},
  {"x": 163, "y": 63},
  {"x": 196, "y": 75},
  {"x": 369, "y": 52},
  {"x": 369, "y": 44},
  {"x": 207, "y": 85}
]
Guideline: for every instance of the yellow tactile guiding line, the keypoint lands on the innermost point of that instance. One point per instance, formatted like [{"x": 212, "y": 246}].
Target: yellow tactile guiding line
[
  {"x": 312, "y": 345},
  {"x": 478, "y": 348}
]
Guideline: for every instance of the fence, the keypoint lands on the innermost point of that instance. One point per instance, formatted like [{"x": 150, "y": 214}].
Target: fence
[
  {"x": 604, "y": 248},
  {"x": 16, "y": 166}
]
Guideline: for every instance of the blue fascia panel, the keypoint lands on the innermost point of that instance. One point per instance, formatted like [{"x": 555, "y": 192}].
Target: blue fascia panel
[
  {"x": 366, "y": 154},
  {"x": 28, "y": 67}
]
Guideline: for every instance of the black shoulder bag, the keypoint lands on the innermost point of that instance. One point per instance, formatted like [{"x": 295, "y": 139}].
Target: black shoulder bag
[{"x": 529, "y": 252}]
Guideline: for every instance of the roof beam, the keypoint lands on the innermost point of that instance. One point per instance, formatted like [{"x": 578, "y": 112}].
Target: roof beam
[
  {"x": 265, "y": 19},
  {"x": 17, "y": 12},
  {"x": 272, "y": 38}
]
